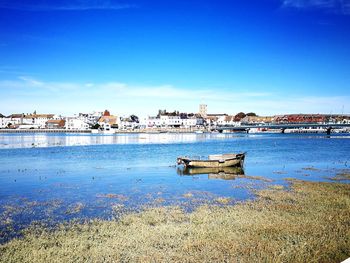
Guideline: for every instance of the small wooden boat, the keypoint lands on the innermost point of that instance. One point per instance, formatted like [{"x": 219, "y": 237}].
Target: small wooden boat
[{"x": 214, "y": 161}]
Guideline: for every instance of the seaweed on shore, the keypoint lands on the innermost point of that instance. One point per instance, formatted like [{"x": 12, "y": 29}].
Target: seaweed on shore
[{"x": 307, "y": 223}]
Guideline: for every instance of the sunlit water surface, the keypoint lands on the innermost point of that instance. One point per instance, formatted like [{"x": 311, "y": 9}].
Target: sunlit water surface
[{"x": 56, "y": 177}]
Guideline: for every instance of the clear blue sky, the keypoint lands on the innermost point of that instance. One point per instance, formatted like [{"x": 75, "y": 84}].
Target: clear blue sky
[{"x": 137, "y": 56}]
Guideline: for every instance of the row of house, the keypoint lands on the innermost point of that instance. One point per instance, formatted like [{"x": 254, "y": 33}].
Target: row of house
[
  {"x": 33, "y": 120},
  {"x": 106, "y": 121},
  {"x": 172, "y": 119},
  {"x": 311, "y": 118},
  {"x": 300, "y": 118},
  {"x": 234, "y": 120},
  {"x": 47, "y": 121},
  {"x": 103, "y": 120}
]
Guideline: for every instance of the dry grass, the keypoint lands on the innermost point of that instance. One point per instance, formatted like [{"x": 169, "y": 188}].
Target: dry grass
[
  {"x": 309, "y": 223},
  {"x": 277, "y": 187},
  {"x": 223, "y": 200},
  {"x": 188, "y": 195}
]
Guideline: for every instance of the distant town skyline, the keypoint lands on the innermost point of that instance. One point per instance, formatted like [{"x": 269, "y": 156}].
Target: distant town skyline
[{"x": 136, "y": 56}]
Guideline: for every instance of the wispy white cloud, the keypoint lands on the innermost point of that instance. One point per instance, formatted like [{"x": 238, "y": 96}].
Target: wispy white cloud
[
  {"x": 26, "y": 94},
  {"x": 328, "y": 6},
  {"x": 64, "y": 5},
  {"x": 31, "y": 82},
  {"x": 28, "y": 83}
]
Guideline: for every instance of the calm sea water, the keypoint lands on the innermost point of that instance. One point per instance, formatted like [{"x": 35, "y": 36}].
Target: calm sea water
[{"x": 55, "y": 177}]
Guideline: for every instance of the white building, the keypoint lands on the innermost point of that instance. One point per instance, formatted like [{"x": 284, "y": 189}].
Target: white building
[
  {"x": 128, "y": 123},
  {"x": 74, "y": 123},
  {"x": 3, "y": 121},
  {"x": 171, "y": 121},
  {"x": 167, "y": 120},
  {"x": 82, "y": 121},
  {"x": 26, "y": 120},
  {"x": 228, "y": 120},
  {"x": 189, "y": 122},
  {"x": 90, "y": 118},
  {"x": 36, "y": 120},
  {"x": 12, "y": 120},
  {"x": 151, "y": 122}
]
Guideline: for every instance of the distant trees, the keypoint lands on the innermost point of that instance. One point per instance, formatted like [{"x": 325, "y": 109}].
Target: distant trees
[
  {"x": 251, "y": 114},
  {"x": 239, "y": 116}
]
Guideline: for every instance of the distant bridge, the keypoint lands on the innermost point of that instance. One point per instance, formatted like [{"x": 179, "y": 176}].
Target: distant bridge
[{"x": 328, "y": 126}]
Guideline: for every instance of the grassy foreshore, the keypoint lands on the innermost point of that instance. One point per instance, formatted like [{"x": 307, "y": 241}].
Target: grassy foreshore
[{"x": 308, "y": 223}]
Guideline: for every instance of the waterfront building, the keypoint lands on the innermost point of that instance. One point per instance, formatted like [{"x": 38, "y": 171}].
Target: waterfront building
[
  {"x": 36, "y": 120},
  {"x": 192, "y": 121},
  {"x": 90, "y": 118},
  {"x": 12, "y": 121},
  {"x": 15, "y": 119},
  {"x": 73, "y": 123},
  {"x": 181, "y": 120},
  {"x": 3, "y": 122},
  {"x": 151, "y": 122},
  {"x": 129, "y": 123},
  {"x": 257, "y": 119},
  {"x": 55, "y": 124},
  {"x": 212, "y": 119},
  {"x": 228, "y": 120},
  {"x": 108, "y": 120},
  {"x": 172, "y": 121},
  {"x": 189, "y": 120}
]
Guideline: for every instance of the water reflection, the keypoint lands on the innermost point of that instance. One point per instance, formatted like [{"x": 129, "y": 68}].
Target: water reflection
[
  {"x": 225, "y": 173},
  {"x": 28, "y": 140}
]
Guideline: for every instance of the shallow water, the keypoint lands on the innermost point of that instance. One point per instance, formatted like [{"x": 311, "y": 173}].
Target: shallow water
[{"x": 56, "y": 177}]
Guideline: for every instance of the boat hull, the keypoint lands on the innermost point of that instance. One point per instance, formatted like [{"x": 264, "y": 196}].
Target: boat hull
[{"x": 237, "y": 161}]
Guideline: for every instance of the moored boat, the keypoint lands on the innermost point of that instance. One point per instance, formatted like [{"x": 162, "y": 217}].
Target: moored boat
[{"x": 214, "y": 161}]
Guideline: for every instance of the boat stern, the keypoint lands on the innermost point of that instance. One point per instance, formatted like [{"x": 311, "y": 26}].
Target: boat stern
[{"x": 179, "y": 160}]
